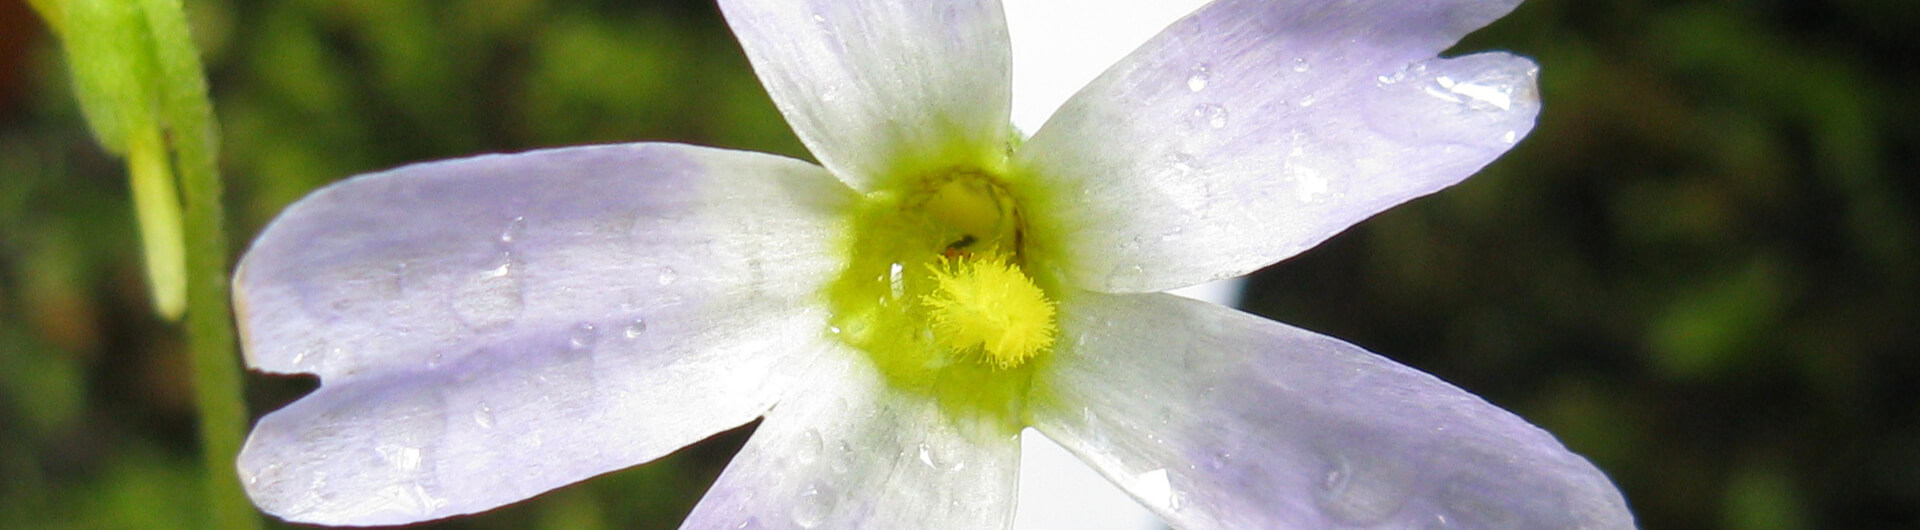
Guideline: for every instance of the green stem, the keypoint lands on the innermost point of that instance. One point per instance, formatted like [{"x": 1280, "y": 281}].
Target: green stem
[{"x": 210, "y": 337}]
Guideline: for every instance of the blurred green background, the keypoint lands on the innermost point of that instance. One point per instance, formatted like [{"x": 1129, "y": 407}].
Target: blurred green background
[{"x": 1698, "y": 271}]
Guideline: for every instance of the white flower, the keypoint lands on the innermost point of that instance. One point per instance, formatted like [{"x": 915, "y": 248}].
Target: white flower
[{"x": 490, "y": 328}]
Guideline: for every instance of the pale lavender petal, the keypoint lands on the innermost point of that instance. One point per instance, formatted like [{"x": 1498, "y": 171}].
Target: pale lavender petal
[
  {"x": 883, "y": 89},
  {"x": 846, "y": 449},
  {"x": 1253, "y": 130},
  {"x": 1219, "y": 419},
  {"x": 489, "y": 328}
]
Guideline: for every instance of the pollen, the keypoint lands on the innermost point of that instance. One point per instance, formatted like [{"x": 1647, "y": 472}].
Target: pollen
[{"x": 984, "y": 304}]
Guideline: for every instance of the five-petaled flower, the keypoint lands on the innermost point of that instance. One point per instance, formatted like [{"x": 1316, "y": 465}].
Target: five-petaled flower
[{"x": 490, "y": 328}]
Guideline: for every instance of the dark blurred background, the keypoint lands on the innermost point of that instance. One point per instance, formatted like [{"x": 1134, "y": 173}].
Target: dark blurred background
[{"x": 1698, "y": 271}]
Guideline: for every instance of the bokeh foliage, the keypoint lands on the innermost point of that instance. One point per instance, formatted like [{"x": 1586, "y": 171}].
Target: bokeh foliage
[{"x": 1699, "y": 270}]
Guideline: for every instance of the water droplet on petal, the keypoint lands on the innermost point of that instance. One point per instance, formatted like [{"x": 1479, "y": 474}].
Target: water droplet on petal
[
  {"x": 1300, "y": 65},
  {"x": 635, "y": 329},
  {"x": 403, "y": 458},
  {"x": 1182, "y": 164},
  {"x": 897, "y": 281},
  {"x": 1307, "y": 100},
  {"x": 812, "y": 507},
  {"x": 1214, "y": 115},
  {"x": 1464, "y": 506},
  {"x": 842, "y": 458},
  {"x": 400, "y": 278},
  {"x": 582, "y": 337},
  {"x": 1308, "y": 184},
  {"x": 1363, "y": 489},
  {"x": 928, "y": 457},
  {"x": 810, "y": 447},
  {"x": 483, "y": 416},
  {"x": 491, "y": 297},
  {"x": 1220, "y": 461},
  {"x": 514, "y": 229},
  {"x": 668, "y": 275},
  {"x": 1197, "y": 80},
  {"x": 1475, "y": 93},
  {"x": 1412, "y": 70},
  {"x": 1176, "y": 501}
]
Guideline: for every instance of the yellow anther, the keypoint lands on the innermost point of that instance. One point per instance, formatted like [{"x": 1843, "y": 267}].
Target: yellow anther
[{"x": 988, "y": 305}]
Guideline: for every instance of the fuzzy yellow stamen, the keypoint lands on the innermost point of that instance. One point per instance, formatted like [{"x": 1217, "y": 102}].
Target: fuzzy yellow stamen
[{"x": 983, "y": 303}]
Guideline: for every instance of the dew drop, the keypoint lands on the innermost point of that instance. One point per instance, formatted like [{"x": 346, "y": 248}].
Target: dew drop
[
  {"x": 491, "y": 297},
  {"x": 810, "y": 447},
  {"x": 897, "y": 280},
  {"x": 1125, "y": 273},
  {"x": 582, "y": 337},
  {"x": 483, "y": 416},
  {"x": 400, "y": 278},
  {"x": 315, "y": 355},
  {"x": 1197, "y": 80},
  {"x": 404, "y": 458},
  {"x": 1220, "y": 461},
  {"x": 1307, "y": 100},
  {"x": 667, "y": 275},
  {"x": 423, "y": 502},
  {"x": 1182, "y": 164},
  {"x": 842, "y": 458},
  {"x": 811, "y": 510},
  {"x": 514, "y": 230},
  {"x": 1214, "y": 115},
  {"x": 272, "y": 471},
  {"x": 1464, "y": 506},
  {"x": 1478, "y": 94},
  {"x": 634, "y": 329},
  {"x": 1412, "y": 70},
  {"x": 1308, "y": 184},
  {"x": 928, "y": 457},
  {"x": 1300, "y": 65},
  {"x": 1362, "y": 490}
]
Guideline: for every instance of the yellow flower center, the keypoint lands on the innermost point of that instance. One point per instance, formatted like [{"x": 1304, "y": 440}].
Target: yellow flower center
[{"x": 939, "y": 293}]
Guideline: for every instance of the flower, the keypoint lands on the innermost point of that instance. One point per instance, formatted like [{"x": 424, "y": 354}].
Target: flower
[{"x": 490, "y": 328}]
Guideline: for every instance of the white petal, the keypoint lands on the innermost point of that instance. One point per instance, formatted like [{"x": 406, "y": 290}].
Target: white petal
[
  {"x": 490, "y": 328},
  {"x": 1219, "y": 419},
  {"x": 1251, "y": 131},
  {"x": 1060, "y": 45},
  {"x": 846, "y": 449},
  {"x": 881, "y": 89}
]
